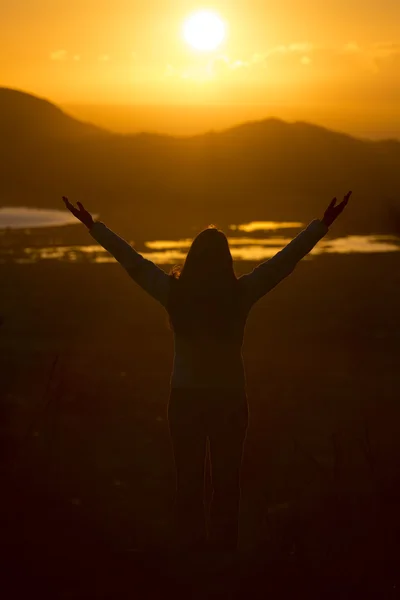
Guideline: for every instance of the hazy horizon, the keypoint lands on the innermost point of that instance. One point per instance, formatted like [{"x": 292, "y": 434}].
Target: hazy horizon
[{"x": 186, "y": 120}]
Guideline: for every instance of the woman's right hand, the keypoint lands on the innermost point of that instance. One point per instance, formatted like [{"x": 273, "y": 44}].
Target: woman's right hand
[
  {"x": 332, "y": 212},
  {"x": 80, "y": 213}
]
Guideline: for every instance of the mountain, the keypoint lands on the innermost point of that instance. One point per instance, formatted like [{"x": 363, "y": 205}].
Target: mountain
[
  {"x": 24, "y": 115},
  {"x": 267, "y": 170}
]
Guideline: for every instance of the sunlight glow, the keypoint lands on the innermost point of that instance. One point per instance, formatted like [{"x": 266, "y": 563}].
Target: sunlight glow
[{"x": 204, "y": 31}]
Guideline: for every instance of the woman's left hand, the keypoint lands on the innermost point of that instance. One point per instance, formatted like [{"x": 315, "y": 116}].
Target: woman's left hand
[{"x": 80, "y": 213}]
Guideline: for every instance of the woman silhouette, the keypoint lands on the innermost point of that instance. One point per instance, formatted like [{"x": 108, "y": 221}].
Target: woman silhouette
[{"x": 208, "y": 307}]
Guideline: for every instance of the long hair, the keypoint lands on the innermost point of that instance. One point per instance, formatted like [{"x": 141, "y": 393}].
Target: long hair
[{"x": 204, "y": 298}]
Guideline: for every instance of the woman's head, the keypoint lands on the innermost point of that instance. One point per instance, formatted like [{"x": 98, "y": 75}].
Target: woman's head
[
  {"x": 204, "y": 295},
  {"x": 209, "y": 258}
]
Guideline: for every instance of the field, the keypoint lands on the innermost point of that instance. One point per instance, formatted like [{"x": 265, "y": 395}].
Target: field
[{"x": 87, "y": 468}]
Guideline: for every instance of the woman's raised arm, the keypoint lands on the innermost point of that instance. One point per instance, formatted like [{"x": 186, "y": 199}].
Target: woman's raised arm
[
  {"x": 269, "y": 273},
  {"x": 146, "y": 274}
]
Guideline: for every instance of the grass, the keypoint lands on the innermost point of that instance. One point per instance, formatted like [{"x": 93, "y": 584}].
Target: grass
[{"x": 87, "y": 467}]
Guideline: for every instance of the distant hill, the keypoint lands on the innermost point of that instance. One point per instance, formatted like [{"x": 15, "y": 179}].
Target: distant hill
[
  {"x": 23, "y": 114},
  {"x": 267, "y": 170}
]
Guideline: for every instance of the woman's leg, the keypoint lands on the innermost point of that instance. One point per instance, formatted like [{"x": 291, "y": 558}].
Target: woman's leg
[
  {"x": 227, "y": 431},
  {"x": 188, "y": 435}
]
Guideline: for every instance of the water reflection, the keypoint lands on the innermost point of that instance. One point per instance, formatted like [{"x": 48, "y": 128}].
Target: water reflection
[
  {"x": 359, "y": 243},
  {"x": 172, "y": 252},
  {"x": 233, "y": 241},
  {"x": 265, "y": 226},
  {"x": 22, "y": 218},
  {"x": 256, "y": 249},
  {"x": 93, "y": 253},
  {"x": 165, "y": 244},
  {"x": 60, "y": 251},
  {"x": 243, "y": 248}
]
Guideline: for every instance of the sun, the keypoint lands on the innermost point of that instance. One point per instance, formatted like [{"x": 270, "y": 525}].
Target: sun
[{"x": 204, "y": 30}]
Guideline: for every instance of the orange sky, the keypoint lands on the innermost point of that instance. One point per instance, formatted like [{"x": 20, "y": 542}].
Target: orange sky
[{"x": 341, "y": 54}]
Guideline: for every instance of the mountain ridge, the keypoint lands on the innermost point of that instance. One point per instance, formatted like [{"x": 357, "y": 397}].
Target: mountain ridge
[
  {"x": 260, "y": 170},
  {"x": 17, "y": 105},
  {"x": 239, "y": 127}
]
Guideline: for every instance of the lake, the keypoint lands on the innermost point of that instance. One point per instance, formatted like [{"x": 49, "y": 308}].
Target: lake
[
  {"x": 244, "y": 247},
  {"x": 23, "y": 218}
]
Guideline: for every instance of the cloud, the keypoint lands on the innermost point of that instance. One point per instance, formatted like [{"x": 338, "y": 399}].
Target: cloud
[
  {"x": 376, "y": 59},
  {"x": 351, "y": 48},
  {"x": 349, "y": 62},
  {"x": 222, "y": 66},
  {"x": 58, "y": 55},
  {"x": 62, "y": 55},
  {"x": 303, "y": 47},
  {"x": 387, "y": 63},
  {"x": 289, "y": 54},
  {"x": 198, "y": 73},
  {"x": 385, "y": 49}
]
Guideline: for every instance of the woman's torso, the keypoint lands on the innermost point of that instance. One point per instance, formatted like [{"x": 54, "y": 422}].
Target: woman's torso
[
  {"x": 208, "y": 353},
  {"x": 207, "y": 362}
]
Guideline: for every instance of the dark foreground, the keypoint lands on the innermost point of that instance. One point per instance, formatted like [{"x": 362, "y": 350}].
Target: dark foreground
[{"x": 86, "y": 463}]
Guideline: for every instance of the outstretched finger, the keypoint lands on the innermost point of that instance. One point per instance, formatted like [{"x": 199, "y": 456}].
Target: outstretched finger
[
  {"x": 343, "y": 205},
  {"x": 71, "y": 207},
  {"x": 346, "y": 199},
  {"x": 81, "y": 205},
  {"x": 67, "y": 203},
  {"x": 347, "y": 196},
  {"x": 332, "y": 203}
]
